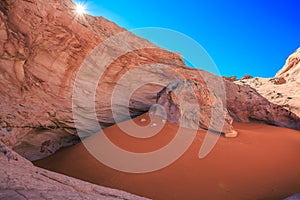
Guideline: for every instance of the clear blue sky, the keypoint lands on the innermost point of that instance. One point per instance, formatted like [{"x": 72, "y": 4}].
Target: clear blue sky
[{"x": 242, "y": 36}]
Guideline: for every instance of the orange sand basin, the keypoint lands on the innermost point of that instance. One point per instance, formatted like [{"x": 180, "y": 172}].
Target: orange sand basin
[{"x": 263, "y": 162}]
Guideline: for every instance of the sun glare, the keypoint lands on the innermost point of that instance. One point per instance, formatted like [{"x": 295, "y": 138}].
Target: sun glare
[{"x": 80, "y": 8}]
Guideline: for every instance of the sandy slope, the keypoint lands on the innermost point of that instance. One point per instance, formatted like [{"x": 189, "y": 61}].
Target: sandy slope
[{"x": 261, "y": 163}]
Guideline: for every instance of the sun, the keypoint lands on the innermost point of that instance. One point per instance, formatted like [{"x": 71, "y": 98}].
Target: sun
[{"x": 80, "y": 9}]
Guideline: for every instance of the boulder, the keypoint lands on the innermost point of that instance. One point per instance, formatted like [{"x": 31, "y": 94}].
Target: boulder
[
  {"x": 247, "y": 76},
  {"x": 278, "y": 80}
]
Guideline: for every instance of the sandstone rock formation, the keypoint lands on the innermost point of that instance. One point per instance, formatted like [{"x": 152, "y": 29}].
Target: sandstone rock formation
[
  {"x": 19, "y": 179},
  {"x": 278, "y": 80},
  {"x": 230, "y": 78},
  {"x": 44, "y": 45},
  {"x": 244, "y": 104},
  {"x": 247, "y": 76},
  {"x": 291, "y": 69},
  {"x": 194, "y": 110},
  {"x": 283, "y": 89},
  {"x": 248, "y": 105},
  {"x": 42, "y": 48}
]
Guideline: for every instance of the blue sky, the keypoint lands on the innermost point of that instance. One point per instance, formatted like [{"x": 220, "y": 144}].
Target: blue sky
[{"x": 242, "y": 37}]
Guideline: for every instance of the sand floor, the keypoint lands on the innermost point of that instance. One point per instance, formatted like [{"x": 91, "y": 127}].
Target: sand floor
[{"x": 263, "y": 162}]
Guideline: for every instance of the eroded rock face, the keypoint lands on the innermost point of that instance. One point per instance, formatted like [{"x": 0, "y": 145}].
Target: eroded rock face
[
  {"x": 53, "y": 140},
  {"x": 40, "y": 58},
  {"x": 188, "y": 103},
  {"x": 291, "y": 69},
  {"x": 248, "y": 105},
  {"x": 230, "y": 78},
  {"x": 42, "y": 45},
  {"x": 283, "y": 89},
  {"x": 20, "y": 179},
  {"x": 240, "y": 103}
]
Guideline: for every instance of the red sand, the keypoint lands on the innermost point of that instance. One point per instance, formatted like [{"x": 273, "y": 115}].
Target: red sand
[{"x": 263, "y": 162}]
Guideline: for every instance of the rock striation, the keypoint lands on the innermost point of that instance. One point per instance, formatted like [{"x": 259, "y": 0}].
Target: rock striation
[{"x": 42, "y": 45}]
